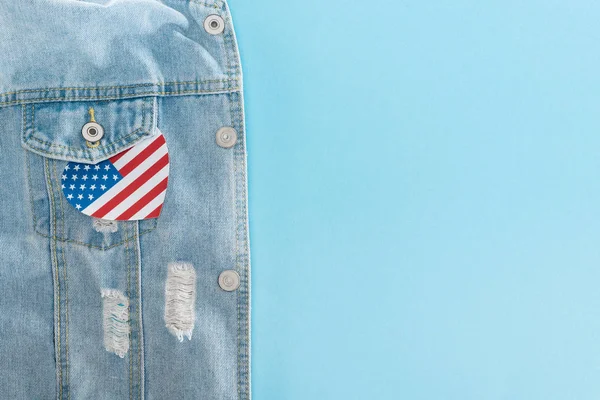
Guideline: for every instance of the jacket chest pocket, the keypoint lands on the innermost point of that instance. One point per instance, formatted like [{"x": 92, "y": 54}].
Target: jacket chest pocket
[{"x": 80, "y": 158}]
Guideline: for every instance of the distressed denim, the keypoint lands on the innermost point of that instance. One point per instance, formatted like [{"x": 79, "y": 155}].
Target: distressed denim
[{"x": 100, "y": 309}]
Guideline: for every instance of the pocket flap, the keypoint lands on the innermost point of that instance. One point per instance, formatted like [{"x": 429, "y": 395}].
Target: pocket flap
[{"x": 55, "y": 129}]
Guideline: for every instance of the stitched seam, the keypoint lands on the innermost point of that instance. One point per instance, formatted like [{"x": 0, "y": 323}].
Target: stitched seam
[
  {"x": 228, "y": 42},
  {"x": 58, "y": 361},
  {"x": 242, "y": 260},
  {"x": 28, "y": 167},
  {"x": 126, "y": 229},
  {"x": 60, "y": 239},
  {"x": 248, "y": 314},
  {"x": 45, "y": 90},
  {"x": 237, "y": 261},
  {"x": 66, "y": 288},
  {"x": 239, "y": 299},
  {"x": 77, "y": 149},
  {"x": 115, "y": 97},
  {"x": 66, "y": 314},
  {"x": 224, "y": 39},
  {"x": 25, "y": 137},
  {"x": 33, "y": 213},
  {"x": 74, "y": 149},
  {"x": 213, "y": 5},
  {"x": 58, "y": 355},
  {"x": 138, "y": 309}
]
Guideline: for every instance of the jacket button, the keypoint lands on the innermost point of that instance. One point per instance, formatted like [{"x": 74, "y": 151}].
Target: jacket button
[
  {"x": 92, "y": 132},
  {"x": 226, "y": 137},
  {"x": 229, "y": 280},
  {"x": 214, "y": 24}
]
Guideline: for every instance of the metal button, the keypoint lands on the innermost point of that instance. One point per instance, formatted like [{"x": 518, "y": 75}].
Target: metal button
[
  {"x": 92, "y": 132},
  {"x": 226, "y": 137},
  {"x": 229, "y": 280},
  {"x": 214, "y": 24}
]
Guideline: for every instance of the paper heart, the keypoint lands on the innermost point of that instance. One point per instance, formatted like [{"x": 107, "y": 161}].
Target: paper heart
[{"x": 129, "y": 186}]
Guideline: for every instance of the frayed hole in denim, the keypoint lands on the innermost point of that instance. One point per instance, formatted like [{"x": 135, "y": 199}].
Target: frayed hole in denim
[
  {"x": 105, "y": 226},
  {"x": 116, "y": 322},
  {"x": 180, "y": 299}
]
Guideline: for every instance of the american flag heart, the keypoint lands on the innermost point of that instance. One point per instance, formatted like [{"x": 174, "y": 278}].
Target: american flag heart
[{"x": 127, "y": 187}]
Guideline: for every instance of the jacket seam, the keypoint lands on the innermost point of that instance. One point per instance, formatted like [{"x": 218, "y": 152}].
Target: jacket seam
[
  {"x": 116, "y": 97},
  {"x": 45, "y": 90}
]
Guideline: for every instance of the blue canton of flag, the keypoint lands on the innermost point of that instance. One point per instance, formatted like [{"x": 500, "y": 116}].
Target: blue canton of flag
[{"x": 84, "y": 183}]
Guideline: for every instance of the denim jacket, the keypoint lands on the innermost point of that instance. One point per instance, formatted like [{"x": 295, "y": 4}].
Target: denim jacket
[{"x": 124, "y": 253}]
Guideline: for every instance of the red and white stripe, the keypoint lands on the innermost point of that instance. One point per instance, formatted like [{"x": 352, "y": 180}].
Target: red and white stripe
[{"x": 141, "y": 192}]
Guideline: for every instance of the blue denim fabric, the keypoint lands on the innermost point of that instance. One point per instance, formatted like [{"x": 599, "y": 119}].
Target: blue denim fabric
[{"x": 145, "y": 66}]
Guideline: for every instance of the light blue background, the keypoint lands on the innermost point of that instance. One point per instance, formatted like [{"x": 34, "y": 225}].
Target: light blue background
[{"x": 424, "y": 198}]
